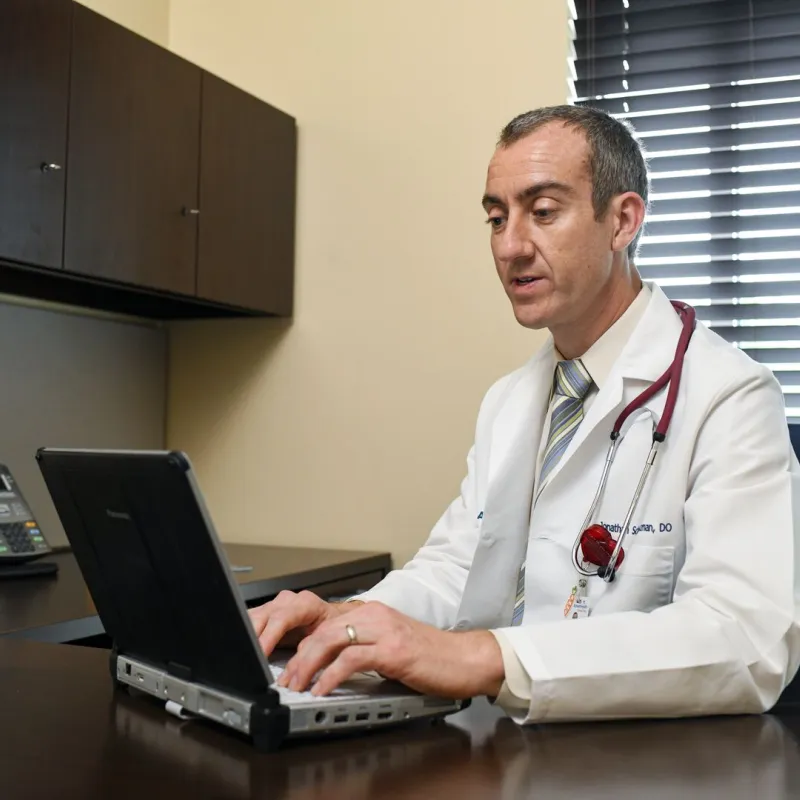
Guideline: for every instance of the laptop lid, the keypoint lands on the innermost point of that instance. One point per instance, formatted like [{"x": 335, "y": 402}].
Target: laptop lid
[{"x": 154, "y": 566}]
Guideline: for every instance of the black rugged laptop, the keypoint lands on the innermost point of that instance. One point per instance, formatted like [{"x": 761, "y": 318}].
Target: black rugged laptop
[{"x": 164, "y": 591}]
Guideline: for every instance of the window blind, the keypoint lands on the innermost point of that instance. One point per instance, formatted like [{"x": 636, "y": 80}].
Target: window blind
[{"x": 713, "y": 91}]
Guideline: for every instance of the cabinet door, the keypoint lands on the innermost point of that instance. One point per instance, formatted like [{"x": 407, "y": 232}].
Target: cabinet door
[
  {"x": 34, "y": 85},
  {"x": 247, "y": 201},
  {"x": 133, "y": 157}
]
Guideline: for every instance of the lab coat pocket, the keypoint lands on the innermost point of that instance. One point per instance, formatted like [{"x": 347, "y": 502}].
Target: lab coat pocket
[{"x": 644, "y": 582}]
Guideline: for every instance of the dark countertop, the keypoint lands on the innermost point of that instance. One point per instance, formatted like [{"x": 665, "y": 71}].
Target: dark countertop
[
  {"x": 59, "y": 609},
  {"x": 66, "y": 734}
]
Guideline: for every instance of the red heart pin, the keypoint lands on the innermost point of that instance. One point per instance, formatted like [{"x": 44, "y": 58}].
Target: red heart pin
[{"x": 597, "y": 546}]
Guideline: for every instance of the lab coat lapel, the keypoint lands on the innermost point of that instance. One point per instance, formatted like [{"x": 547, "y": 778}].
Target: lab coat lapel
[
  {"x": 648, "y": 353},
  {"x": 517, "y": 430},
  {"x": 489, "y": 594}
]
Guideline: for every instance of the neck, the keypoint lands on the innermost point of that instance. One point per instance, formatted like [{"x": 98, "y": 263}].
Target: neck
[{"x": 573, "y": 340}]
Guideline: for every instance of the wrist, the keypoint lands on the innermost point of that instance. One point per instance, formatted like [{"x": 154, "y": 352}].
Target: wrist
[
  {"x": 485, "y": 661},
  {"x": 344, "y": 606}
]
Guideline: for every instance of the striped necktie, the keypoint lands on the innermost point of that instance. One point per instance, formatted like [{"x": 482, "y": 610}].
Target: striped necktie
[{"x": 571, "y": 384}]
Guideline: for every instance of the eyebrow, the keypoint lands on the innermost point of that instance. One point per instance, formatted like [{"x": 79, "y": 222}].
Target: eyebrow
[{"x": 535, "y": 189}]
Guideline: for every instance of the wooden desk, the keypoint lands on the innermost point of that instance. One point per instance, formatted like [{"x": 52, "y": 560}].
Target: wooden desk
[
  {"x": 66, "y": 734},
  {"x": 59, "y": 609}
]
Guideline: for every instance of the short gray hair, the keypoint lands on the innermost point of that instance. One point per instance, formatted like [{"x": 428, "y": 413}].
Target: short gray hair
[{"x": 617, "y": 162}]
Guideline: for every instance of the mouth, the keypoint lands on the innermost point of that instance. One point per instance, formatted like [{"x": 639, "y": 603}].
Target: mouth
[{"x": 526, "y": 285}]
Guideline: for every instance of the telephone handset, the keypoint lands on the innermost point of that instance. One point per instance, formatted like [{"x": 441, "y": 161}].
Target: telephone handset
[{"x": 21, "y": 538}]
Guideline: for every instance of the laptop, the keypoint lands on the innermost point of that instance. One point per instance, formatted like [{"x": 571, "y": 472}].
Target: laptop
[{"x": 161, "y": 583}]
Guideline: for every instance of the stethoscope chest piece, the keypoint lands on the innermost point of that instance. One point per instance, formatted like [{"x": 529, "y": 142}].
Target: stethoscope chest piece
[{"x": 597, "y": 547}]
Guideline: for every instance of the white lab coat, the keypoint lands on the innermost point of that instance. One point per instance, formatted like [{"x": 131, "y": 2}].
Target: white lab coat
[{"x": 703, "y": 616}]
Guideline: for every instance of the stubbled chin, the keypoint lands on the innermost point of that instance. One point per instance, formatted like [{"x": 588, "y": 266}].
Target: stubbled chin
[
  {"x": 529, "y": 316},
  {"x": 527, "y": 319}
]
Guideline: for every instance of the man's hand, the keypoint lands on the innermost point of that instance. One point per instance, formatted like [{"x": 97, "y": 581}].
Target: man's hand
[
  {"x": 456, "y": 665},
  {"x": 289, "y": 617}
]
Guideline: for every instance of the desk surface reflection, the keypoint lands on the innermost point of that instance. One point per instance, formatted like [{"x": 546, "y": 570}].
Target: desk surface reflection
[{"x": 67, "y": 735}]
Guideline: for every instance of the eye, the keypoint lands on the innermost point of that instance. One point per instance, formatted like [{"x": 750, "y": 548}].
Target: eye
[
  {"x": 543, "y": 213},
  {"x": 495, "y": 221}
]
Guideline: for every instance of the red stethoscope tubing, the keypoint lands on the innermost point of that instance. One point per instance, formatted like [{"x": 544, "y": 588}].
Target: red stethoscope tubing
[
  {"x": 595, "y": 542},
  {"x": 672, "y": 376}
]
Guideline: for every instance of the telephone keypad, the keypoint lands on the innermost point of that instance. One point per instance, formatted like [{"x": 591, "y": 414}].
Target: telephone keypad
[{"x": 18, "y": 537}]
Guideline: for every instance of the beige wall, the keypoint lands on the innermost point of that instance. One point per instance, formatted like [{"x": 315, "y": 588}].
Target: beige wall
[
  {"x": 149, "y": 18},
  {"x": 349, "y": 429}
]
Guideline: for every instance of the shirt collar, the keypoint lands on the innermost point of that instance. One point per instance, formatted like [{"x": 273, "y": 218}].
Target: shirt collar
[{"x": 600, "y": 357}]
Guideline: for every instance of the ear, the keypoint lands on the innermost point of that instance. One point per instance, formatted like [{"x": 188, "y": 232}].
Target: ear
[{"x": 628, "y": 215}]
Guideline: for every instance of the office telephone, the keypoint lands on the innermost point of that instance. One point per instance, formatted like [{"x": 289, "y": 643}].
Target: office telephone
[{"x": 21, "y": 538}]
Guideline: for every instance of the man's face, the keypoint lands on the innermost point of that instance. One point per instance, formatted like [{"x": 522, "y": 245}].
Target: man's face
[{"x": 553, "y": 258}]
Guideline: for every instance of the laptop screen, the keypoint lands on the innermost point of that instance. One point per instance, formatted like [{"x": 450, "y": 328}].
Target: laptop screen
[{"x": 154, "y": 566}]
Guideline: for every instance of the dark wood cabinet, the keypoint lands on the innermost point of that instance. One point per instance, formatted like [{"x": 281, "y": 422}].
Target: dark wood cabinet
[
  {"x": 247, "y": 200},
  {"x": 133, "y": 159},
  {"x": 133, "y": 181},
  {"x": 34, "y": 84}
]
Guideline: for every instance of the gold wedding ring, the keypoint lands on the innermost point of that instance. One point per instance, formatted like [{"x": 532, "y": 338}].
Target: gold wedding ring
[{"x": 351, "y": 634}]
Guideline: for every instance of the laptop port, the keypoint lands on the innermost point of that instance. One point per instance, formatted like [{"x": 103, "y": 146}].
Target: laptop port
[
  {"x": 320, "y": 717},
  {"x": 384, "y": 715},
  {"x": 362, "y": 717},
  {"x": 341, "y": 718},
  {"x": 127, "y": 669}
]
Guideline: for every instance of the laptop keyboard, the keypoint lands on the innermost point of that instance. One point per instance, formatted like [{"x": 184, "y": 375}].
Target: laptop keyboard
[{"x": 347, "y": 692}]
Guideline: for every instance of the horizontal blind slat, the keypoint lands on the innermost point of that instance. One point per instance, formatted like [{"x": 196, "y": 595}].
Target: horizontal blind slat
[
  {"x": 679, "y": 38},
  {"x": 723, "y": 137},
  {"x": 773, "y": 93},
  {"x": 777, "y": 272},
  {"x": 635, "y": 20},
  {"x": 740, "y": 59},
  {"x": 765, "y": 313},
  {"x": 723, "y": 225},
  {"x": 602, "y": 8},
  {"x": 724, "y": 158},
  {"x": 726, "y": 202},
  {"x": 784, "y": 339},
  {"x": 680, "y": 119},
  {"x": 729, "y": 181},
  {"x": 642, "y": 81},
  {"x": 743, "y": 249},
  {"x": 746, "y": 295}
]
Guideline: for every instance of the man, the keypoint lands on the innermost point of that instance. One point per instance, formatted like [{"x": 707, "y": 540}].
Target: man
[{"x": 702, "y": 617}]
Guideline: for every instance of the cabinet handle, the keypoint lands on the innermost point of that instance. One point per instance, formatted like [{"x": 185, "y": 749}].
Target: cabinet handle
[
  {"x": 45, "y": 167},
  {"x": 190, "y": 212}
]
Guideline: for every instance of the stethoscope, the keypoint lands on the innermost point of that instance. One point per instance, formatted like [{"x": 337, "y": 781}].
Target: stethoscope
[{"x": 595, "y": 542}]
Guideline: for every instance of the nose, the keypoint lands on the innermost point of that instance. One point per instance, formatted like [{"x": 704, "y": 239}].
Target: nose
[{"x": 515, "y": 243}]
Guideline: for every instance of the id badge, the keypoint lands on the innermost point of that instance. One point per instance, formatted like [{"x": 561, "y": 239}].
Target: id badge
[
  {"x": 580, "y": 608},
  {"x": 577, "y": 604}
]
